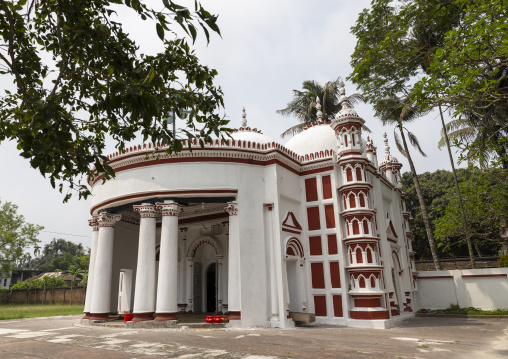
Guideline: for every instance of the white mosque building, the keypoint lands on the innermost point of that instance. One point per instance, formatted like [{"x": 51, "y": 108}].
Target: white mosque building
[{"x": 259, "y": 231}]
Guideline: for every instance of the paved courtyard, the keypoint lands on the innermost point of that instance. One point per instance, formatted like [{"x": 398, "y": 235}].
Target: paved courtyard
[{"x": 63, "y": 337}]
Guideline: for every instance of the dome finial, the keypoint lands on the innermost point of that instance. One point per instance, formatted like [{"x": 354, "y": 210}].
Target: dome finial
[
  {"x": 319, "y": 113},
  {"x": 387, "y": 148},
  {"x": 343, "y": 98},
  {"x": 244, "y": 118}
]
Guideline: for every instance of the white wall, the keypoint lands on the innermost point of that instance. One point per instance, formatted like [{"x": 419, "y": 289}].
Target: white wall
[{"x": 481, "y": 288}]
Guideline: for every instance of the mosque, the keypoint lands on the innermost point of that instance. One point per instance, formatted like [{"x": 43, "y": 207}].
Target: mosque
[{"x": 263, "y": 232}]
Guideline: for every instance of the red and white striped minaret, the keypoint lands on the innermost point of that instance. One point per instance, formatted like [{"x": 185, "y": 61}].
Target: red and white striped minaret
[{"x": 361, "y": 241}]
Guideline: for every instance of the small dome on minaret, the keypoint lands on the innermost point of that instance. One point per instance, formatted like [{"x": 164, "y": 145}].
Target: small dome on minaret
[
  {"x": 245, "y": 133},
  {"x": 319, "y": 113},
  {"x": 388, "y": 159}
]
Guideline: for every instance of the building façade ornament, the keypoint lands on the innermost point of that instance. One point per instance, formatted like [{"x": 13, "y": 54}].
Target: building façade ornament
[
  {"x": 146, "y": 210},
  {"x": 169, "y": 208},
  {"x": 108, "y": 219},
  {"x": 231, "y": 208},
  {"x": 93, "y": 223}
]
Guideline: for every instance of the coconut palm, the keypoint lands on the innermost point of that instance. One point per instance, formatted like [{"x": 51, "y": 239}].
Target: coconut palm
[
  {"x": 397, "y": 112},
  {"x": 478, "y": 133},
  {"x": 303, "y": 105},
  {"x": 75, "y": 272}
]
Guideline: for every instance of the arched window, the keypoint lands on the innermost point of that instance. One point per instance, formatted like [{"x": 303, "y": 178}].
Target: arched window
[
  {"x": 345, "y": 204},
  {"x": 352, "y": 200},
  {"x": 369, "y": 255},
  {"x": 372, "y": 281},
  {"x": 345, "y": 140},
  {"x": 361, "y": 281},
  {"x": 365, "y": 226},
  {"x": 358, "y": 255},
  {"x": 356, "y": 227},
  {"x": 362, "y": 200},
  {"x": 359, "y": 174},
  {"x": 349, "y": 174}
]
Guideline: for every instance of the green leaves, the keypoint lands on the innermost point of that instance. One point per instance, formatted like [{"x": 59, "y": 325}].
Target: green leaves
[
  {"x": 100, "y": 86},
  {"x": 15, "y": 235}
]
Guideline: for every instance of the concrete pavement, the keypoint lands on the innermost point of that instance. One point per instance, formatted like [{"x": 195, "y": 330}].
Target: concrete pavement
[{"x": 62, "y": 337}]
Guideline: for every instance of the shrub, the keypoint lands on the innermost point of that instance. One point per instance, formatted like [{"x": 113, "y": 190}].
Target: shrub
[{"x": 503, "y": 262}]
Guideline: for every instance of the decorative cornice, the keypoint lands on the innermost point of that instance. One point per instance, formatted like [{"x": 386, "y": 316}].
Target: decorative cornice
[
  {"x": 146, "y": 210},
  {"x": 222, "y": 151},
  {"x": 231, "y": 208},
  {"x": 108, "y": 219},
  {"x": 93, "y": 223},
  {"x": 169, "y": 209}
]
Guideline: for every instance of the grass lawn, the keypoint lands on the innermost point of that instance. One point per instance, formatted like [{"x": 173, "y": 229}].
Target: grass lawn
[
  {"x": 455, "y": 309},
  {"x": 17, "y": 311}
]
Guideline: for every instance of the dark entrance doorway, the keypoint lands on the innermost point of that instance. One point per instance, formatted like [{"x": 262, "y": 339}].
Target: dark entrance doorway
[{"x": 211, "y": 288}]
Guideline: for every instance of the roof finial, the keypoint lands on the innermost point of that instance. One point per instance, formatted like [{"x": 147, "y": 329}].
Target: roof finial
[
  {"x": 244, "y": 118},
  {"x": 319, "y": 113},
  {"x": 343, "y": 98},
  {"x": 387, "y": 148}
]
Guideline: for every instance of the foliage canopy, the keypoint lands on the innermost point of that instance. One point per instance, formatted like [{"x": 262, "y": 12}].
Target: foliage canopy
[
  {"x": 15, "y": 235},
  {"x": 79, "y": 78}
]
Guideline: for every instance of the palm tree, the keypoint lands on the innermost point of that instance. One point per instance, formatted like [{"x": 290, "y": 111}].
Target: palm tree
[
  {"x": 397, "y": 112},
  {"x": 75, "y": 272},
  {"x": 478, "y": 133},
  {"x": 303, "y": 105}
]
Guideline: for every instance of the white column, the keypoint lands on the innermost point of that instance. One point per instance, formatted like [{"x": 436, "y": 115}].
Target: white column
[
  {"x": 91, "y": 268},
  {"x": 274, "y": 296},
  {"x": 301, "y": 283},
  {"x": 167, "y": 293},
  {"x": 144, "y": 295},
  {"x": 219, "y": 284},
  {"x": 190, "y": 282},
  {"x": 234, "y": 280},
  {"x": 101, "y": 292}
]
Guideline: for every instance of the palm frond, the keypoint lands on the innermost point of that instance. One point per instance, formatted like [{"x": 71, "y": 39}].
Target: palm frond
[
  {"x": 466, "y": 134},
  {"x": 294, "y": 130},
  {"x": 415, "y": 143},
  {"x": 398, "y": 144},
  {"x": 366, "y": 129}
]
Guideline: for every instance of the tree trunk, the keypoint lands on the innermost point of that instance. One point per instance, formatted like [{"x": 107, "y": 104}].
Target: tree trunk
[
  {"x": 457, "y": 188},
  {"x": 425, "y": 215},
  {"x": 71, "y": 290}
]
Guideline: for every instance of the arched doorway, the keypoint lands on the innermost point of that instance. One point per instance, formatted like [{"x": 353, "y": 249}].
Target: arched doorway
[
  {"x": 295, "y": 279},
  {"x": 204, "y": 258},
  {"x": 211, "y": 288}
]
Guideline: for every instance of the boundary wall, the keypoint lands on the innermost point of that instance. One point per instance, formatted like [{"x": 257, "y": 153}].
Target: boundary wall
[{"x": 486, "y": 288}]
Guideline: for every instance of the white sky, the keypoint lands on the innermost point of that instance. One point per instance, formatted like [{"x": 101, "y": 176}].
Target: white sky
[{"x": 268, "y": 48}]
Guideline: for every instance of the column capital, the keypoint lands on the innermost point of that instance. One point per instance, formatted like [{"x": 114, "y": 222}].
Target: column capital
[
  {"x": 169, "y": 208},
  {"x": 145, "y": 210},
  {"x": 269, "y": 206},
  {"x": 231, "y": 208},
  {"x": 93, "y": 223},
  {"x": 108, "y": 219}
]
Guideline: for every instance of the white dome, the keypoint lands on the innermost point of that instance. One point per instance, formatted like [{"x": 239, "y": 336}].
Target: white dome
[
  {"x": 251, "y": 135},
  {"x": 319, "y": 137}
]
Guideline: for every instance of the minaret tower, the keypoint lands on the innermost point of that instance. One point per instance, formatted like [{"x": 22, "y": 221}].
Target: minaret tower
[
  {"x": 360, "y": 238},
  {"x": 390, "y": 165}
]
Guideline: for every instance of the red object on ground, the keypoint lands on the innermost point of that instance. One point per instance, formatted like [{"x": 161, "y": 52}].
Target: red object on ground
[
  {"x": 128, "y": 317},
  {"x": 217, "y": 319},
  {"x": 209, "y": 319}
]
